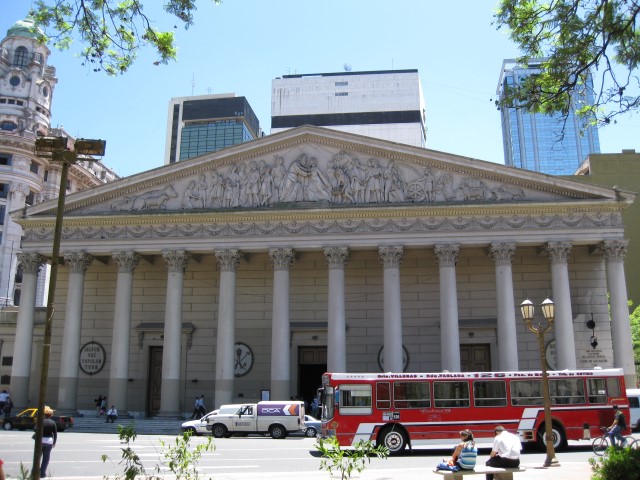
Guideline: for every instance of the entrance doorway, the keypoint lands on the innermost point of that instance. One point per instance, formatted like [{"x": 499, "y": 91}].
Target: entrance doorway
[
  {"x": 312, "y": 363},
  {"x": 155, "y": 381},
  {"x": 475, "y": 357}
]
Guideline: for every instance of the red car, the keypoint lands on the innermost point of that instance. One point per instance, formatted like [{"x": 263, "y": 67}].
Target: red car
[{"x": 26, "y": 420}]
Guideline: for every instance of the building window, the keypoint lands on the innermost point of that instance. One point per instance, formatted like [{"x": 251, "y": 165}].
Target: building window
[
  {"x": 7, "y": 362},
  {"x": 46, "y": 175},
  {"x": 30, "y": 200},
  {"x": 342, "y": 84},
  {"x": 4, "y": 190},
  {"x": 8, "y": 126},
  {"x": 342, "y": 94},
  {"x": 3, "y": 209},
  {"x": 34, "y": 167},
  {"x": 21, "y": 57},
  {"x": 5, "y": 160},
  {"x": 18, "y": 278},
  {"x": 5, "y": 379}
]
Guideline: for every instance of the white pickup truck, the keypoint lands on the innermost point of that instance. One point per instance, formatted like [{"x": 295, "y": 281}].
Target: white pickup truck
[{"x": 278, "y": 419}]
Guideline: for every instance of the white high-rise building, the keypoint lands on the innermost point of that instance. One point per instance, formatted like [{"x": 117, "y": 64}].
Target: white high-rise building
[{"x": 386, "y": 104}]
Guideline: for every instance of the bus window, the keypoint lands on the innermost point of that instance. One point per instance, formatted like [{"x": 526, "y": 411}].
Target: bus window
[
  {"x": 599, "y": 388},
  {"x": 355, "y": 399},
  {"x": 490, "y": 393},
  {"x": 526, "y": 392},
  {"x": 383, "y": 395},
  {"x": 411, "y": 395},
  {"x": 451, "y": 394},
  {"x": 566, "y": 391}
]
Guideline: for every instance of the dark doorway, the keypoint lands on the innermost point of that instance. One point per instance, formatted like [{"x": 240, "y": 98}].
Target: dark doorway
[
  {"x": 312, "y": 363},
  {"x": 155, "y": 381},
  {"x": 475, "y": 357}
]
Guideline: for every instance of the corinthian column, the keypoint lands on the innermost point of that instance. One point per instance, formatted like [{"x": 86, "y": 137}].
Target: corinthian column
[
  {"x": 177, "y": 261},
  {"x": 21, "y": 369},
  {"x": 228, "y": 261},
  {"x": 447, "y": 257},
  {"x": 502, "y": 254},
  {"x": 336, "y": 258},
  {"x": 281, "y": 259},
  {"x": 558, "y": 253},
  {"x": 391, "y": 258},
  {"x": 78, "y": 263},
  {"x": 127, "y": 262},
  {"x": 614, "y": 252}
]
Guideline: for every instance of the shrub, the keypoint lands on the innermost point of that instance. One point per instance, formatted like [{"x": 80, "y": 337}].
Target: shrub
[
  {"x": 346, "y": 461},
  {"x": 617, "y": 464}
]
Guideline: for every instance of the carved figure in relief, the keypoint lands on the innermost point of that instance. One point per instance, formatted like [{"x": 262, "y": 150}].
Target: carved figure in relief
[
  {"x": 397, "y": 192},
  {"x": 422, "y": 189},
  {"x": 444, "y": 188},
  {"x": 217, "y": 189},
  {"x": 266, "y": 184},
  {"x": 389, "y": 176},
  {"x": 474, "y": 189},
  {"x": 341, "y": 187},
  {"x": 154, "y": 199},
  {"x": 319, "y": 185},
  {"x": 232, "y": 187},
  {"x": 358, "y": 182},
  {"x": 373, "y": 182},
  {"x": 243, "y": 182},
  {"x": 203, "y": 188},
  {"x": 278, "y": 174},
  {"x": 298, "y": 180},
  {"x": 252, "y": 188},
  {"x": 505, "y": 192},
  {"x": 229, "y": 191}
]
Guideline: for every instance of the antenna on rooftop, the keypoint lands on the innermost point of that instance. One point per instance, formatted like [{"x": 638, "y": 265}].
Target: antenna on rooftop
[
  {"x": 193, "y": 83},
  {"x": 347, "y": 67}
]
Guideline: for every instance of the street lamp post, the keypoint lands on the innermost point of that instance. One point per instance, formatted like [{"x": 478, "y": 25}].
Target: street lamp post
[
  {"x": 58, "y": 149},
  {"x": 548, "y": 310}
]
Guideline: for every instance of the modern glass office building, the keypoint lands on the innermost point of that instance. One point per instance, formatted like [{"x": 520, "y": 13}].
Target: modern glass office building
[
  {"x": 544, "y": 143},
  {"x": 203, "y": 124}
]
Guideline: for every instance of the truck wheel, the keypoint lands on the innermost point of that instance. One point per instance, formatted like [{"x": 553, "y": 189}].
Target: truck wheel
[
  {"x": 278, "y": 431},
  {"x": 219, "y": 430},
  {"x": 7, "y": 426}
]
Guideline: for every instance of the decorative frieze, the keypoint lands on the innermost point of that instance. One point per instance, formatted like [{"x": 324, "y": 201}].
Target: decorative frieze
[
  {"x": 336, "y": 257},
  {"x": 391, "y": 256},
  {"x": 78, "y": 262},
  {"x": 228, "y": 259},
  {"x": 127, "y": 261},
  {"x": 502, "y": 253},
  {"x": 446, "y": 254},
  {"x": 281, "y": 258}
]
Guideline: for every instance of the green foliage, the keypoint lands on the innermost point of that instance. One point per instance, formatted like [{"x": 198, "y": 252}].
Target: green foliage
[
  {"x": 111, "y": 32},
  {"x": 617, "y": 464},
  {"x": 576, "y": 37},
  {"x": 634, "y": 318},
  {"x": 346, "y": 461},
  {"x": 180, "y": 459},
  {"x": 24, "y": 473}
]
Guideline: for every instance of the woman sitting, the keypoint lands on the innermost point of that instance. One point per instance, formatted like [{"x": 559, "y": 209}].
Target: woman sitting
[{"x": 465, "y": 453}]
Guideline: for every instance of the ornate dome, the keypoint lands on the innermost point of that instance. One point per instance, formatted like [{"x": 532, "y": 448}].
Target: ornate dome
[{"x": 23, "y": 28}]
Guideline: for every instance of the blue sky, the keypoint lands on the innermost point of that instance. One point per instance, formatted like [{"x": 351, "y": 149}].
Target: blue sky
[{"x": 240, "y": 46}]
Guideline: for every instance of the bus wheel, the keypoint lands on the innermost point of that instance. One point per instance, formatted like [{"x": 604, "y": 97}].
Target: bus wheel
[
  {"x": 219, "y": 430},
  {"x": 559, "y": 437},
  {"x": 393, "y": 439}
]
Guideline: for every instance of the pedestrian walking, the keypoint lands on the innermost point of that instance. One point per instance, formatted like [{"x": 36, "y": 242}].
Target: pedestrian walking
[{"x": 49, "y": 439}]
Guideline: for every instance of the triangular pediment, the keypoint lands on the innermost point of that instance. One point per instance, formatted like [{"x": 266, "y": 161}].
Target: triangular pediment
[{"x": 311, "y": 167}]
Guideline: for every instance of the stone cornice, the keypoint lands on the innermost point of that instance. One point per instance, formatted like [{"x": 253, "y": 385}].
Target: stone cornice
[{"x": 327, "y": 214}]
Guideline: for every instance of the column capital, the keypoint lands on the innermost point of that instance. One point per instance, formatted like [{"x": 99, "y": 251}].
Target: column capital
[
  {"x": 502, "y": 253},
  {"x": 613, "y": 250},
  {"x": 31, "y": 262},
  {"x": 176, "y": 260},
  {"x": 127, "y": 261},
  {"x": 336, "y": 257},
  {"x": 281, "y": 258},
  {"x": 558, "y": 252},
  {"x": 446, "y": 254},
  {"x": 391, "y": 256},
  {"x": 78, "y": 262},
  {"x": 228, "y": 259}
]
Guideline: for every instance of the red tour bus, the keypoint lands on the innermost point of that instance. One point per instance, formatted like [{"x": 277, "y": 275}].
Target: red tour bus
[{"x": 417, "y": 409}]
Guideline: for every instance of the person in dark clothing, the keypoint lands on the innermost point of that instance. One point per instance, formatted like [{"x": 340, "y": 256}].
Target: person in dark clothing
[{"x": 49, "y": 439}]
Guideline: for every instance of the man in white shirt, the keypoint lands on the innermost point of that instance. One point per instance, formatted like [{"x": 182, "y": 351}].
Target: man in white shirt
[
  {"x": 505, "y": 452},
  {"x": 112, "y": 414}
]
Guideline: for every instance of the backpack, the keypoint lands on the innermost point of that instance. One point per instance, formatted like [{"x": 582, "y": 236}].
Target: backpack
[{"x": 468, "y": 455}]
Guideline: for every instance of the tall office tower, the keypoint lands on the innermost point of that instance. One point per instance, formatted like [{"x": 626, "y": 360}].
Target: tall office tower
[
  {"x": 201, "y": 124},
  {"x": 386, "y": 104},
  {"x": 538, "y": 142},
  {"x": 26, "y": 93}
]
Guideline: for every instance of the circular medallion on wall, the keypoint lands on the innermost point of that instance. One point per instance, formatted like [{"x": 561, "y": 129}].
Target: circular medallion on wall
[
  {"x": 92, "y": 358},
  {"x": 243, "y": 357},
  {"x": 405, "y": 358},
  {"x": 14, "y": 81}
]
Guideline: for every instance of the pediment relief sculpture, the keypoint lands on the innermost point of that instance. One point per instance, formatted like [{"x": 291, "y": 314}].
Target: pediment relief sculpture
[{"x": 341, "y": 179}]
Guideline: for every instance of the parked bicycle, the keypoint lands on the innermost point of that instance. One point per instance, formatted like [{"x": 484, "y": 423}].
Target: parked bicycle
[{"x": 602, "y": 443}]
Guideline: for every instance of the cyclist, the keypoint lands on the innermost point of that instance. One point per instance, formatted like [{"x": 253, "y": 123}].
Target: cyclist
[{"x": 616, "y": 428}]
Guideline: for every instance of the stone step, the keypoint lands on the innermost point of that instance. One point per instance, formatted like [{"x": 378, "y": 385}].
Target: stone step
[{"x": 143, "y": 426}]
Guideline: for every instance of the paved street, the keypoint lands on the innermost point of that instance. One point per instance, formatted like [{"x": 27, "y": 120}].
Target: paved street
[{"x": 77, "y": 457}]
